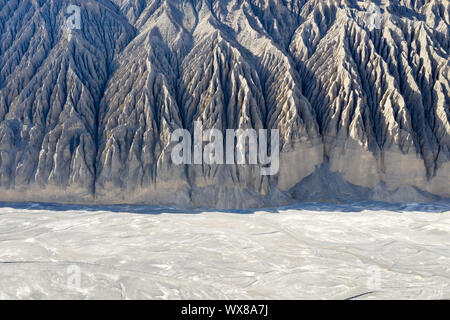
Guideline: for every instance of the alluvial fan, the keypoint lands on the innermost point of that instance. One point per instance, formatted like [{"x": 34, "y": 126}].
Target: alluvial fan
[{"x": 360, "y": 94}]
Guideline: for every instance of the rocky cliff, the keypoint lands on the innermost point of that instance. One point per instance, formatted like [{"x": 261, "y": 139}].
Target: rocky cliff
[{"x": 362, "y": 108}]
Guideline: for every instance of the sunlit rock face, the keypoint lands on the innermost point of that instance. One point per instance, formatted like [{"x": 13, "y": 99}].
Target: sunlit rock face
[{"x": 87, "y": 115}]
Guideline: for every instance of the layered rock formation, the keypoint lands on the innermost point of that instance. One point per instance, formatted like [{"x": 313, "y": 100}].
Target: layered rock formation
[{"x": 86, "y": 115}]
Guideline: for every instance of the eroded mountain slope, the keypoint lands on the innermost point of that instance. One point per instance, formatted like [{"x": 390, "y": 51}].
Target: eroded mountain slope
[{"x": 86, "y": 115}]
